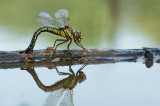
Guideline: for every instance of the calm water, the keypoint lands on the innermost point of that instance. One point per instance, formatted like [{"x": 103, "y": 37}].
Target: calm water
[
  {"x": 115, "y": 24},
  {"x": 107, "y": 84}
]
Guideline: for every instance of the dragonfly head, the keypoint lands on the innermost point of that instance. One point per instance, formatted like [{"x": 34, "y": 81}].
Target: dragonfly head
[
  {"x": 81, "y": 77},
  {"x": 78, "y": 35}
]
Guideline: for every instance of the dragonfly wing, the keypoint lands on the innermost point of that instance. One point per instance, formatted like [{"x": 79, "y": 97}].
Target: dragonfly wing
[
  {"x": 67, "y": 99},
  {"x": 45, "y": 14},
  {"x": 54, "y": 97},
  {"x": 46, "y": 19},
  {"x": 62, "y": 13},
  {"x": 62, "y": 17}
]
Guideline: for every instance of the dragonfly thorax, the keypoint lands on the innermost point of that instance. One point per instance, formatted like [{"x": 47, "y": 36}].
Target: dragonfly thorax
[{"x": 78, "y": 35}]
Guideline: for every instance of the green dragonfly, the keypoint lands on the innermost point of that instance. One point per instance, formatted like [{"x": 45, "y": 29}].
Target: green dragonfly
[{"x": 58, "y": 26}]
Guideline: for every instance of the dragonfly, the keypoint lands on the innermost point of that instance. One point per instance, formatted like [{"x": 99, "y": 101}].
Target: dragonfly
[{"x": 57, "y": 26}]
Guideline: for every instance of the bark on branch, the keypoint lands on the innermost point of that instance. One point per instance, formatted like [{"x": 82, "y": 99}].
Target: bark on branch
[{"x": 12, "y": 59}]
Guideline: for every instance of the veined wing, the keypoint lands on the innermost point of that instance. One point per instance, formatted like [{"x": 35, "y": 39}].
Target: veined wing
[
  {"x": 46, "y": 19},
  {"x": 67, "y": 99},
  {"x": 62, "y": 17},
  {"x": 54, "y": 97}
]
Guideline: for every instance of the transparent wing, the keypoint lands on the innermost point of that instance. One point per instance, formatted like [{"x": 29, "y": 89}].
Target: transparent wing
[
  {"x": 67, "y": 99},
  {"x": 62, "y": 13},
  {"x": 54, "y": 97},
  {"x": 62, "y": 17},
  {"x": 46, "y": 19}
]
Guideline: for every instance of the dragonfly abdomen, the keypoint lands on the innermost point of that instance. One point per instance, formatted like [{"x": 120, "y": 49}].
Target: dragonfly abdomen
[{"x": 37, "y": 33}]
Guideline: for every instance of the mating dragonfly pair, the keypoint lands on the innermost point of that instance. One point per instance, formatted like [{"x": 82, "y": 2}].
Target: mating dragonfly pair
[{"x": 58, "y": 26}]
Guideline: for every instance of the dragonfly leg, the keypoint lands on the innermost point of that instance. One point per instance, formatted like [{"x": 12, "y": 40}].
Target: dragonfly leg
[
  {"x": 79, "y": 44},
  {"x": 61, "y": 73},
  {"x": 70, "y": 69},
  {"x": 58, "y": 40},
  {"x": 64, "y": 41},
  {"x": 82, "y": 67},
  {"x": 69, "y": 46}
]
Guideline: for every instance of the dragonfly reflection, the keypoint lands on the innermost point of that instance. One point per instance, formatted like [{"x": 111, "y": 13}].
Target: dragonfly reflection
[{"x": 61, "y": 91}]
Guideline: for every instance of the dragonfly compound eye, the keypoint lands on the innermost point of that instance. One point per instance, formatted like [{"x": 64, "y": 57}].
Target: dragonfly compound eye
[
  {"x": 81, "y": 35},
  {"x": 78, "y": 36}
]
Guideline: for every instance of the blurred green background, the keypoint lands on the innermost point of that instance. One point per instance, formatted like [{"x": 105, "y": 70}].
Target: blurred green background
[{"x": 101, "y": 21}]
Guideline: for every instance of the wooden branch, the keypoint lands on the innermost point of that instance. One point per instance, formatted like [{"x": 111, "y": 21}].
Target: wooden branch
[{"x": 46, "y": 58}]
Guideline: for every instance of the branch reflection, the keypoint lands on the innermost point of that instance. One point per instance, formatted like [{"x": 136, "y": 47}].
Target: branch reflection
[
  {"x": 148, "y": 58},
  {"x": 61, "y": 92}
]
